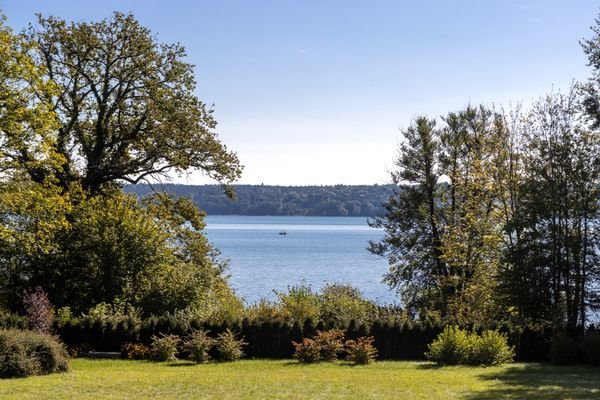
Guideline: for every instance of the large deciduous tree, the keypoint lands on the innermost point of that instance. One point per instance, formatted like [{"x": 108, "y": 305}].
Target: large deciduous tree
[
  {"x": 84, "y": 107},
  {"x": 27, "y": 125},
  {"x": 125, "y": 104}
]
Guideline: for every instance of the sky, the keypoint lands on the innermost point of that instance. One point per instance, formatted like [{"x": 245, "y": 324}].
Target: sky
[{"x": 316, "y": 92}]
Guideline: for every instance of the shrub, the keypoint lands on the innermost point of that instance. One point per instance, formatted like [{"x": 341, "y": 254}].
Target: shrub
[
  {"x": 164, "y": 347},
  {"x": 135, "y": 351},
  {"x": 451, "y": 347},
  {"x": 591, "y": 348},
  {"x": 456, "y": 346},
  {"x": 26, "y": 353},
  {"x": 308, "y": 351},
  {"x": 229, "y": 346},
  {"x": 491, "y": 348},
  {"x": 13, "y": 321},
  {"x": 38, "y": 310},
  {"x": 341, "y": 304},
  {"x": 563, "y": 349},
  {"x": 299, "y": 304},
  {"x": 80, "y": 350},
  {"x": 362, "y": 350},
  {"x": 331, "y": 343},
  {"x": 198, "y": 344}
]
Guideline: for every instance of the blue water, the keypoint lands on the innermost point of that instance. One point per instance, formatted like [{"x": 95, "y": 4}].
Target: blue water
[{"x": 316, "y": 250}]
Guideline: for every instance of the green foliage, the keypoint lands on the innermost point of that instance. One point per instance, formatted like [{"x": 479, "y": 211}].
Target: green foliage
[
  {"x": 27, "y": 121},
  {"x": 26, "y": 353},
  {"x": 341, "y": 304},
  {"x": 490, "y": 348},
  {"x": 135, "y": 351},
  {"x": 331, "y": 343},
  {"x": 63, "y": 316},
  {"x": 338, "y": 200},
  {"x": 299, "y": 303},
  {"x": 308, "y": 351},
  {"x": 13, "y": 321},
  {"x": 563, "y": 349},
  {"x": 164, "y": 347},
  {"x": 198, "y": 344},
  {"x": 361, "y": 351},
  {"x": 451, "y": 347},
  {"x": 590, "y": 347},
  {"x": 67, "y": 144},
  {"x": 229, "y": 347},
  {"x": 141, "y": 115},
  {"x": 457, "y": 346}
]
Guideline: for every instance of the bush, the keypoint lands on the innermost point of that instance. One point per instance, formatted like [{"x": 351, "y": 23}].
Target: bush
[
  {"x": 450, "y": 348},
  {"x": 198, "y": 344},
  {"x": 229, "y": 346},
  {"x": 591, "y": 348},
  {"x": 164, "y": 347},
  {"x": 331, "y": 343},
  {"x": 26, "y": 353},
  {"x": 38, "y": 310},
  {"x": 563, "y": 349},
  {"x": 308, "y": 351},
  {"x": 491, "y": 348},
  {"x": 361, "y": 351},
  {"x": 13, "y": 321},
  {"x": 135, "y": 351},
  {"x": 456, "y": 346}
]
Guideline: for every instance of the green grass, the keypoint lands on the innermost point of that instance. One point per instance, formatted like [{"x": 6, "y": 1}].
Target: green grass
[{"x": 259, "y": 379}]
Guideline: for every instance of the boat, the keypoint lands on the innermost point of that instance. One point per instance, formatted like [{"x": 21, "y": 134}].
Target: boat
[{"x": 283, "y": 233}]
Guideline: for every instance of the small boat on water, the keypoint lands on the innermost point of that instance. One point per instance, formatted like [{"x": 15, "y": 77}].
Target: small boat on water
[{"x": 283, "y": 233}]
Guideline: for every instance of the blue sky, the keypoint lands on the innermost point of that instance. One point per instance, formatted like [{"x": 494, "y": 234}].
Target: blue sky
[{"x": 315, "y": 92}]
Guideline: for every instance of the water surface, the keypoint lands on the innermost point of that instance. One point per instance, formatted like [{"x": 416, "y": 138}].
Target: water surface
[{"x": 316, "y": 250}]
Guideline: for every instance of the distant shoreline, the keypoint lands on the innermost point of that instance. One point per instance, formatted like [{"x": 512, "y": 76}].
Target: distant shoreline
[{"x": 267, "y": 200}]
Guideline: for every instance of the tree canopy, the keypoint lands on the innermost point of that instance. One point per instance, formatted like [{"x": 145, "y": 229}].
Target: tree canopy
[
  {"x": 124, "y": 104},
  {"x": 83, "y": 108}
]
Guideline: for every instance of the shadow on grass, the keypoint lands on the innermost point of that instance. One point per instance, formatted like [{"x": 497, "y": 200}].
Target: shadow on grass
[
  {"x": 541, "y": 381},
  {"x": 431, "y": 366},
  {"x": 183, "y": 364}
]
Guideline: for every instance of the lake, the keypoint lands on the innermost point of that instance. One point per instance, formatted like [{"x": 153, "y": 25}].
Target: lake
[{"x": 315, "y": 250}]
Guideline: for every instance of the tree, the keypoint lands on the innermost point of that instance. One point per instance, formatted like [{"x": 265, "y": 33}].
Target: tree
[
  {"x": 125, "y": 104},
  {"x": 85, "y": 106},
  {"x": 412, "y": 241},
  {"x": 591, "y": 90},
  {"x": 27, "y": 125},
  {"x": 553, "y": 263},
  {"x": 472, "y": 143},
  {"x": 443, "y": 226}
]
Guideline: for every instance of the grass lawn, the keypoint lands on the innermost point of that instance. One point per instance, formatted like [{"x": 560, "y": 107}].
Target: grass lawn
[{"x": 260, "y": 379}]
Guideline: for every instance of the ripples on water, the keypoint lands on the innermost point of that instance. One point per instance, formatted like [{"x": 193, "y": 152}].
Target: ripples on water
[{"x": 317, "y": 250}]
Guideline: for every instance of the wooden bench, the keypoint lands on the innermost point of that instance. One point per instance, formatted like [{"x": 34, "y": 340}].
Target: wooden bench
[{"x": 104, "y": 354}]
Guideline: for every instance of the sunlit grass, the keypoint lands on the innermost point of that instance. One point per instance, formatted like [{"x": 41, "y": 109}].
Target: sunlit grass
[{"x": 260, "y": 379}]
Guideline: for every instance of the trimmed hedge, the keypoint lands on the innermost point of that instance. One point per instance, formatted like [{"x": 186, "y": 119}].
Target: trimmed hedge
[{"x": 273, "y": 339}]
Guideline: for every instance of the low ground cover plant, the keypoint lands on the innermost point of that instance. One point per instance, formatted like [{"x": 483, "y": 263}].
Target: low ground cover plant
[
  {"x": 457, "y": 346},
  {"x": 328, "y": 345},
  {"x": 198, "y": 345},
  {"x": 308, "y": 351},
  {"x": 135, "y": 351},
  {"x": 331, "y": 343},
  {"x": 164, "y": 347},
  {"x": 229, "y": 347},
  {"x": 361, "y": 351},
  {"x": 27, "y": 353}
]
